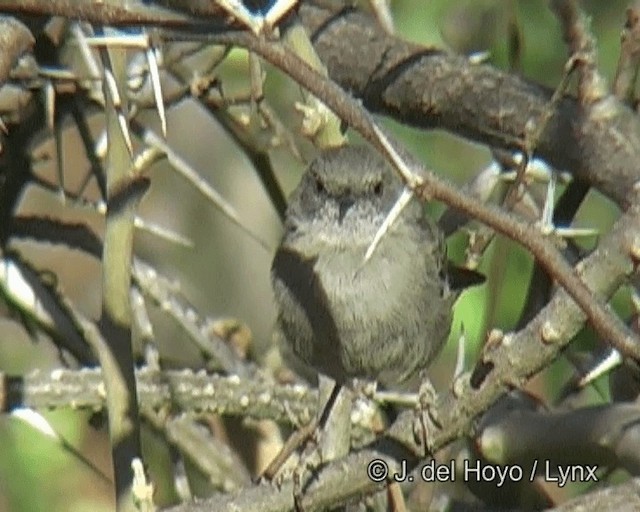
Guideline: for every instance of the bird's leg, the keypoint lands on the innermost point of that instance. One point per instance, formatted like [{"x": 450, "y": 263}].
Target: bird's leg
[
  {"x": 328, "y": 436},
  {"x": 334, "y": 419},
  {"x": 295, "y": 441}
]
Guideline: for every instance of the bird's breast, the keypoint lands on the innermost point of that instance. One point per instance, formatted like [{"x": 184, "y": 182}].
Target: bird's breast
[{"x": 359, "y": 291}]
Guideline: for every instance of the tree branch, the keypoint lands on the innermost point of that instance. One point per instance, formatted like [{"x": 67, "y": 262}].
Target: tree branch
[{"x": 427, "y": 88}]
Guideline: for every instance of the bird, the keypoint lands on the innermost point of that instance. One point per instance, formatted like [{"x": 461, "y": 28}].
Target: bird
[{"x": 383, "y": 320}]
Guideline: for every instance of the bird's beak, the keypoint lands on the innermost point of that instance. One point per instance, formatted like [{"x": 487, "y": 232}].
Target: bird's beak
[{"x": 343, "y": 207}]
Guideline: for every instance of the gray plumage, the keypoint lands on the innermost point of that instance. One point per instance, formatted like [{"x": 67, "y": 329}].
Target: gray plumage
[{"x": 384, "y": 320}]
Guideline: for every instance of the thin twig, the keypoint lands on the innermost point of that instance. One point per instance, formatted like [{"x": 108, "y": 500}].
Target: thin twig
[
  {"x": 582, "y": 46},
  {"x": 627, "y": 71}
]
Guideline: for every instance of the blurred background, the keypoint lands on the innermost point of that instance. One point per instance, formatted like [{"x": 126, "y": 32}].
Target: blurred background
[{"x": 226, "y": 273}]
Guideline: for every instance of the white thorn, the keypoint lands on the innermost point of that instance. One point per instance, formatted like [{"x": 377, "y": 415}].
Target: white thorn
[
  {"x": 157, "y": 89},
  {"x": 400, "y": 204},
  {"x": 112, "y": 87},
  {"x": 124, "y": 128},
  {"x": 237, "y": 9},
  {"x": 161, "y": 232},
  {"x": 36, "y": 420},
  {"x": 461, "y": 354},
  {"x": 576, "y": 232},
  {"x": 122, "y": 41},
  {"x": 50, "y": 102},
  {"x": 613, "y": 359},
  {"x": 547, "y": 211},
  {"x": 278, "y": 10}
]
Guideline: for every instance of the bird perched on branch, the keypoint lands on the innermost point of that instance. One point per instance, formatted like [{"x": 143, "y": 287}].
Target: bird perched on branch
[{"x": 383, "y": 320}]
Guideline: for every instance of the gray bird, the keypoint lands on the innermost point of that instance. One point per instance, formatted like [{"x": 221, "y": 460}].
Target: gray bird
[{"x": 382, "y": 321}]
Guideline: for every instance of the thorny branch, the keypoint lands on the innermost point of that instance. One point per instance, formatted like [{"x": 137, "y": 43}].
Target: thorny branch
[{"x": 597, "y": 140}]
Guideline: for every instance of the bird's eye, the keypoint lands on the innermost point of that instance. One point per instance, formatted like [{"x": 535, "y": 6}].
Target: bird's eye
[
  {"x": 377, "y": 188},
  {"x": 319, "y": 186}
]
